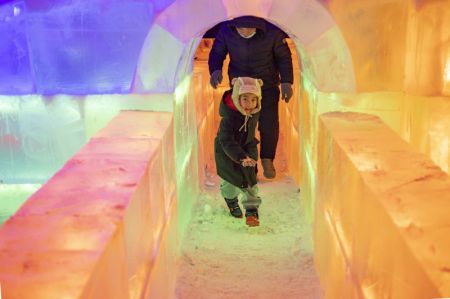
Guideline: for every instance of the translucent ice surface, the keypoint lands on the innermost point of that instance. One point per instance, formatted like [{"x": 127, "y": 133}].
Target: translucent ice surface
[
  {"x": 88, "y": 47},
  {"x": 74, "y": 47},
  {"x": 12, "y": 197},
  {"x": 37, "y": 137},
  {"x": 15, "y": 71}
]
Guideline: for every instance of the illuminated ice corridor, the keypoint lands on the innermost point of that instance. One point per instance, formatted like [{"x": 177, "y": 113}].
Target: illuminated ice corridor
[{"x": 107, "y": 173}]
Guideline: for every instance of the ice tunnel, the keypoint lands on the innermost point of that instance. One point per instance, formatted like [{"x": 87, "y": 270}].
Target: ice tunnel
[{"x": 106, "y": 126}]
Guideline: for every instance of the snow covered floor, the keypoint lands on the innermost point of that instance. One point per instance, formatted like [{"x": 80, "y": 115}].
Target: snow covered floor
[{"x": 223, "y": 258}]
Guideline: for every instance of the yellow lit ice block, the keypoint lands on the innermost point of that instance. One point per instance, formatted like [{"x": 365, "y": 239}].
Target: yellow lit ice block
[
  {"x": 382, "y": 209},
  {"x": 205, "y": 108},
  {"x": 377, "y": 54},
  {"x": 430, "y": 128}
]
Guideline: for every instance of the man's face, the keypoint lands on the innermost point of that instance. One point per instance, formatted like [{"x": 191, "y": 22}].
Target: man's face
[{"x": 246, "y": 32}]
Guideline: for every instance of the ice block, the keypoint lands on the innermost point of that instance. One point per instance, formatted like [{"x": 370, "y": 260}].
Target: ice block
[
  {"x": 38, "y": 135},
  {"x": 87, "y": 47},
  {"x": 95, "y": 229},
  {"x": 15, "y": 69},
  {"x": 382, "y": 213}
]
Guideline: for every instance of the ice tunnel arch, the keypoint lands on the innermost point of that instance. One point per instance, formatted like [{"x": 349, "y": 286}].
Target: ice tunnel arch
[{"x": 168, "y": 50}]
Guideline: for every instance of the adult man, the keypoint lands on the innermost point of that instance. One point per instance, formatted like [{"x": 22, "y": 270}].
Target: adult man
[{"x": 257, "y": 49}]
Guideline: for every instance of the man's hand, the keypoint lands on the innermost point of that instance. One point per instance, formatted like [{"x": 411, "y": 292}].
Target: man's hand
[
  {"x": 248, "y": 162},
  {"x": 216, "y": 78},
  {"x": 286, "y": 92}
]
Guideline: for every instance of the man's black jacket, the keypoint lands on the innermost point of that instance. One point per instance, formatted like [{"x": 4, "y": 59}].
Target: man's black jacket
[{"x": 265, "y": 55}]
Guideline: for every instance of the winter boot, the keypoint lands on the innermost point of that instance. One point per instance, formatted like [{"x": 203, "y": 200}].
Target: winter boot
[
  {"x": 269, "y": 170},
  {"x": 233, "y": 205},
  {"x": 252, "y": 217}
]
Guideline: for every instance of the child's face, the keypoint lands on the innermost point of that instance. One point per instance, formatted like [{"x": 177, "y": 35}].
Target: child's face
[{"x": 248, "y": 102}]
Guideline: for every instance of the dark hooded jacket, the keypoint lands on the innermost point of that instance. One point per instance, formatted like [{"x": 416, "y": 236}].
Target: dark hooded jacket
[
  {"x": 265, "y": 55},
  {"x": 235, "y": 140}
]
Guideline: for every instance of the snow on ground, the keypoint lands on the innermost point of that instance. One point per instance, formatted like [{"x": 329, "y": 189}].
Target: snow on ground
[{"x": 223, "y": 258}]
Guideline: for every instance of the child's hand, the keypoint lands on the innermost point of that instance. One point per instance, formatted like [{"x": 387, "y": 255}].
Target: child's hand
[{"x": 248, "y": 162}]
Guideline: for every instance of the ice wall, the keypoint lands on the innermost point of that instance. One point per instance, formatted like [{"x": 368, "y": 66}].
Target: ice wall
[
  {"x": 389, "y": 71},
  {"x": 105, "y": 226},
  {"x": 15, "y": 67},
  {"x": 37, "y": 136},
  {"x": 39, "y": 133},
  {"x": 186, "y": 143},
  {"x": 72, "y": 47},
  {"x": 78, "y": 47},
  {"x": 397, "y": 45},
  {"x": 382, "y": 229},
  {"x": 95, "y": 46}
]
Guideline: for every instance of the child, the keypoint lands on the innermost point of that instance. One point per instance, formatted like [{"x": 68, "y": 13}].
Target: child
[
  {"x": 256, "y": 48},
  {"x": 235, "y": 148}
]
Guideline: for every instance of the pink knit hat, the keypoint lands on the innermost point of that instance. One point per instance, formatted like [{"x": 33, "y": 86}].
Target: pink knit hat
[{"x": 243, "y": 85}]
